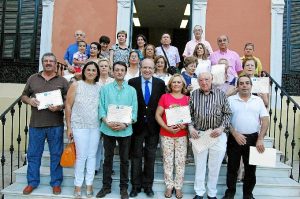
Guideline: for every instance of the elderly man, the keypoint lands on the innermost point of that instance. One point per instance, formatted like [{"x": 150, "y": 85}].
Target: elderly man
[
  {"x": 168, "y": 51},
  {"x": 45, "y": 124},
  {"x": 190, "y": 46},
  {"x": 249, "y": 124},
  {"x": 146, "y": 130},
  {"x": 73, "y": 48},
  {"x": 116, "y": 93},
  {"x": 209, "y": 110},
  {"x": 234, "y": 61}
]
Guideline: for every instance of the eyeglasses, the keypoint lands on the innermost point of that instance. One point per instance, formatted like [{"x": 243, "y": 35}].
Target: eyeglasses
[
  {"x": 50, "y": 61},
  {"x": 222, "y": 40}
]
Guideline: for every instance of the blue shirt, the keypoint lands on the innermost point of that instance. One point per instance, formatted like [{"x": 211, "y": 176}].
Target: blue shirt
[
  {"x": 112, "y": 94},
  {"x": 187, "y": 78},
  {"x": 149, "y": 85},
  {"x": 72, "y": 49}
]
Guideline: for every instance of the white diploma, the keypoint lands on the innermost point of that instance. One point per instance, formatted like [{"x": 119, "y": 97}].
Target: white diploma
[
  {"x": 178, "y": 115},
  {"x": 50, "y": 98},
  {"x": 260, "y": 85},
  {"x": 204, "y": 142},
  {"x": 195, "y": 84},
  {"x": 119, "y": 113},
  {"x": 218, "y": 72},
  {"x": 265, "y": 159},
  {"x": 67, "y": 75}
]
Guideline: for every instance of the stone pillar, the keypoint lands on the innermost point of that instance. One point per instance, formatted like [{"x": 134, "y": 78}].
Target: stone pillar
[
  {"x": 277, "y": 10},
  {"x": 198, "y": 15},
  {"x": 124, "y": 17},
  {"x": 46, "y": 29}
]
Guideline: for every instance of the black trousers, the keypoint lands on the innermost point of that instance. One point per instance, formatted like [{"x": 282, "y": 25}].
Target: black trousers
[
  {"x": 142, "y": 176},
  {"x": 235, "y": 152},
  {"x": 109, "y": 143}
]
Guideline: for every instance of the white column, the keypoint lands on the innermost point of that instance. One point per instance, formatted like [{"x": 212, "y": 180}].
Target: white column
[
  {"x": 46, "y": 29},
  {"x": 276, "y": 40},
  {"x": 199, "y": 15},
  {"x": 124, "y": 16}
]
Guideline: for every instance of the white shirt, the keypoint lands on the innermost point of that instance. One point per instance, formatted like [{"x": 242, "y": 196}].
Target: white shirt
[{"x": 246, "y": 115}]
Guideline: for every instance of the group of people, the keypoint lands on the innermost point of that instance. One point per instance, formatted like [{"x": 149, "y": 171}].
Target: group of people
[{"x": 139, "y": 79}]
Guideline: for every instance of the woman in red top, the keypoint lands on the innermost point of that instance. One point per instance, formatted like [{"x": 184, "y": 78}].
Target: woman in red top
[{"x": 173, "y": 138}]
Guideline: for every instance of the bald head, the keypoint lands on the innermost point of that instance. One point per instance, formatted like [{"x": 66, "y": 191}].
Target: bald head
[
  {"x": 223, "y": 42},
  {"x": 79, "y": 35}
]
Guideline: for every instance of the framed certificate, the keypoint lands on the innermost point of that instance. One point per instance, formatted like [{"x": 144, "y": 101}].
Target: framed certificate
[
  {"x": 119, "y": 113},
  {"x": 260, "y": 85},
  {"x": 50, "y": 98},
  {"x": 178, "y": 115}
]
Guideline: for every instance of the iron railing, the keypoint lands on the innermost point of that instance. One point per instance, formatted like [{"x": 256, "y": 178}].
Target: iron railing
[
  {"x": 8, "y": 136},
  {"x": 283, "y": 111}
]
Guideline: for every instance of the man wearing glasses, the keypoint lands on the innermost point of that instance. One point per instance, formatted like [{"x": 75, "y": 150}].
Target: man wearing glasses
[
  {"x": 235, "y": 64},
  {"x": 190, "y": 46}
]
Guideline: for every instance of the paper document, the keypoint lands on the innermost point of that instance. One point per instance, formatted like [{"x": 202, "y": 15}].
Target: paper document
[
  {"x": 49, "y": 98},
  {"x": 119, "y": 113},
  {"x": 260, "y": 85},
  {"x": 195, "y": 84},
  {"x": 218, "y": 72},
  {"x": 204, "y": 142},
  {"x": 178, "y": 115},
  {"x": 265, "y": 159}
]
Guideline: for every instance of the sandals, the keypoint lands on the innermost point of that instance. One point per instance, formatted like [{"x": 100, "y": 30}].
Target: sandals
[
  {"x": 178, "y": 193},
  {"x": 168, "y": 193},
  {"x": 90, "y": 192},
  {"x": 77, "y": 194}
]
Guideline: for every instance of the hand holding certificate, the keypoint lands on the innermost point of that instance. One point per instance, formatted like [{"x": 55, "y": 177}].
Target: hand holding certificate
[
  {"x": 204, "y": 142},
  {"x": 265, "y": 159},
  {"x": 178, "y": 115},
  {"x": 119, "y": 113},
  {"x": 50, "y": 98}
]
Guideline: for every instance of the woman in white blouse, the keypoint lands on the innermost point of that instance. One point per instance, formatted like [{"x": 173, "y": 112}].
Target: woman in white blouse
[
  {"x": 204, "y": 64},
  {"x": 133, "y": 67}
]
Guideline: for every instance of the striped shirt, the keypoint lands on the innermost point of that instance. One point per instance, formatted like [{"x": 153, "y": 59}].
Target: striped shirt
[{"x": 209, "y": 111}]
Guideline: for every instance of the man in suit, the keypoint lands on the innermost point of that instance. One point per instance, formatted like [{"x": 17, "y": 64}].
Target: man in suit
[{"x": 149, "y": 90}]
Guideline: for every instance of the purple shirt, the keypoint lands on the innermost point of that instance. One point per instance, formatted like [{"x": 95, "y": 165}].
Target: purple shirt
[
  {"x": 172, "y": 54},
  {"x": 235, "y": 64},
  {"x": 190, "y": 47}
]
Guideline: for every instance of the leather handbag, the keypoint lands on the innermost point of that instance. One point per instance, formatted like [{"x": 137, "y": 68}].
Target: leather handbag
[{"x": 68, "y": 157}]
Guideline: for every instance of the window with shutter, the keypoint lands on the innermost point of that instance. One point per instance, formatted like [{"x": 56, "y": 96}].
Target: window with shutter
[{"x": 291, "y": 47}]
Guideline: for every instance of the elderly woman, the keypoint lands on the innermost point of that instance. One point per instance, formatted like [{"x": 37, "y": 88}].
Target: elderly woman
[
  {"x": 133, "y": 68},
  {"x": 249, "y": 69},
  {"x": 173, "y": 138},
  {"x": 83, "y": 125}
]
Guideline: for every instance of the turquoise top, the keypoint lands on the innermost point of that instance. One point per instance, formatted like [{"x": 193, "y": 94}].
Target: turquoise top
[{"x": 113, "y": 94}]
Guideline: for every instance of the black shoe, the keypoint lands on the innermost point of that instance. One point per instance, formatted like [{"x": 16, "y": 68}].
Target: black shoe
[
  {"x": 228, "y": 197},
  {"x": 208, "y": 197},
  {"x": 124, "y": 193},
  {"x": 134, "y": 192},
  {"x": 198, "y": 197},
  {"x": 149, "y": 192},
  {"x": 102, "y": 193}
]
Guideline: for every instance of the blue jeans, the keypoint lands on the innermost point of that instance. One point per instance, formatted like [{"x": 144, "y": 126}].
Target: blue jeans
[{"x": 36, "y": 144}]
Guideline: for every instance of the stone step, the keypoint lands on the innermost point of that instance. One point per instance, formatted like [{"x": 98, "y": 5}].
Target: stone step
[
  {"x": 280, "y": 170},
  {"x": 271, "y": 191},
  {"x": 263, "y": 182}
]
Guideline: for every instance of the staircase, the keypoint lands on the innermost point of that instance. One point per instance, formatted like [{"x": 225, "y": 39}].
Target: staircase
[{"x": 272, "y": 183}]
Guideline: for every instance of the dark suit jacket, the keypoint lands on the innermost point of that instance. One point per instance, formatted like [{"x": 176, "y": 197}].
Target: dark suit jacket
[{"x": 147, "y": 113}]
